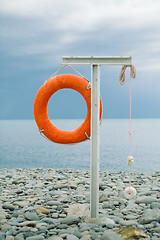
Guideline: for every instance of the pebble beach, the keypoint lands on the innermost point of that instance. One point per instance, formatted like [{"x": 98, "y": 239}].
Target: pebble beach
[{"x": 53, "y": 204}]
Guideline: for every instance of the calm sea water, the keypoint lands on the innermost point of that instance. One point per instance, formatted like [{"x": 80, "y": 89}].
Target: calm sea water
[{"x": 21, "y": 146}]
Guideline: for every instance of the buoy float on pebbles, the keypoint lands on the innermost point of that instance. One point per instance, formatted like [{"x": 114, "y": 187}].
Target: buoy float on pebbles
[{"x": 130, "y": 192}]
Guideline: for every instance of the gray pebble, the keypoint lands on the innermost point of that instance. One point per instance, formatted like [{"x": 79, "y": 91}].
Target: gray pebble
[
  {"x": 17, "y": 221},
  {"x": 53, "y": 203},
  {"x": 146, "y": 199},
  {"x": 72, "y": 237},
  {"x": 55, "y": 238},
  {"x": 54, "y": 193},
  {"x": 150, "y": 215},
  {"x": 50, "y": 220},
  {"x": 2, "y": 236},
  {"x": 31, "y": 216},
  {"x": 109, "y": 223},
  {"x": 117, "y": 220},
  {"x": 2, "y": 217},
  {"x": 70, "y": 220},
  {"x": 77, "y": 234},
  {"x": 19, "y": 236},
  {"x": 8, "y": 176},
  {"x": 8, "y": 206},
  {"x": 127, "y": 223},
  {"x": 156, "y": 230},
  {"x": 6, "y": 227},
  {"x": 110, "y": 235},
  {"x": 62, "y": 226},
  {"x": 155, "y": 205},
  {"x": 40, "y": 237},
  {"x": 15, "y": 182},
  {"x": 131, "y": 216}
]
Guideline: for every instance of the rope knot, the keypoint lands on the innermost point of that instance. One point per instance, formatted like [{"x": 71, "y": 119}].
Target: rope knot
[{"x": 130, "y": 160}]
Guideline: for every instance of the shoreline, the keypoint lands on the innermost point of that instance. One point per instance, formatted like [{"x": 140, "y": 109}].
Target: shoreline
[
  {"x": 75, "y": 169},
  {"x": 37, "y": 203}
]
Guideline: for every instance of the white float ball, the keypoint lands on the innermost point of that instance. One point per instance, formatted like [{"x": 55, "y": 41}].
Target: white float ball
[{"x": 130, "y": 192}]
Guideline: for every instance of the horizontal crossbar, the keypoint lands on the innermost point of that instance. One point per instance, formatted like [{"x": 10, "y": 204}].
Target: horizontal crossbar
[{"x": 95, "y": 60}]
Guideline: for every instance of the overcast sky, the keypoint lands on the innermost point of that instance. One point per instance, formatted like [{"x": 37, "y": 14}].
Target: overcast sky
[{"x": 35, "y": 34}]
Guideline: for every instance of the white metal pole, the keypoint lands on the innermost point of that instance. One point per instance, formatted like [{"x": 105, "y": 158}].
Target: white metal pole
[
  {"x": 95, "y": 110},
  {"x": 95, "y": 63}
]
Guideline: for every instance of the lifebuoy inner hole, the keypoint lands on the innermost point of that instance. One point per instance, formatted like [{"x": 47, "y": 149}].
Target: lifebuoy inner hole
[{"x": 67, "y": 104}]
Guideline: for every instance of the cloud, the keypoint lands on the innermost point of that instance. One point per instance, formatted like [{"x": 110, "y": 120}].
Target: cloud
[
  {"x": 86, "y": 15},
  {"x": 39, "y": 27},
  {"x": 35, "y": 34}
]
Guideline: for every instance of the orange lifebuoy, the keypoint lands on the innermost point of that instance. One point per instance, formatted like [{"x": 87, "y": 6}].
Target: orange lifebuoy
[{"x": 54, "y": 84}]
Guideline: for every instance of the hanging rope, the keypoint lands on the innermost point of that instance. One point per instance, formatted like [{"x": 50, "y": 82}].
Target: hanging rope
[
  {"x": 130, "y": 191},
  {"x": 130, "y": 162},
  {"x": 66, "y": 65}
]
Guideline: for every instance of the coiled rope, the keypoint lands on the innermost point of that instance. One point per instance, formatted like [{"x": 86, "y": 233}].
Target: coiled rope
[{"x": 122, "y": 76}]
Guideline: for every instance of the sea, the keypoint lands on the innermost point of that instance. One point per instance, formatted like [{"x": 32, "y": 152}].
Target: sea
[{"x": 22, "y": 146}]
